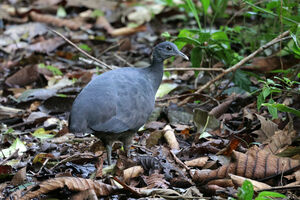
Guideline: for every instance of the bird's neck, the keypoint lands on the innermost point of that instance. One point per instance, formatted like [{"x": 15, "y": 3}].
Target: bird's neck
[{"x": 155, "y": 72}]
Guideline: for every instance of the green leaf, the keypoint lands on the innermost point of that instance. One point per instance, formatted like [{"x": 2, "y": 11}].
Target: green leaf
[
  {"x": 196, "y": 56},
  {"x": 54, "y": 70},
  {"x": 42, "y": 134},
  {"x": 272, "y": 110},
  {"x": 266, "y": 194},
  {"x": 17, "y": 144},
  {"x": 205, "y": 4},
  {"x": 241, "y": 79},
  {"x": 221, "y": 37},
  {"x": 266, "y": 91},
  {"x": 260, "y": 100},
  {"x": 51, "y": 68},
  {"x": 61, "y": 12},
  {"x": 186, "y": 40},
  {"x": 283, "y": 108},
  {"x": 97, "y": 13},
  {"x": 85, "y": 47},
  {"x": 166, "y": 35},
  {"x": 246, "y": 192},
  {"x": 192, "y": 7},
  {"x": 203, "y": 37}
]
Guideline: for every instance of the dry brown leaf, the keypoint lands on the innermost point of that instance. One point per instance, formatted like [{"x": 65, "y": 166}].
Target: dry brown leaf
[
  {"x": 47, "y": 46},
  {"x": 73, "y": 24},
  {"x": 198, "y": 162},
  {"x": 170, "y": 137},
  {"x": 72, "y": 183},
  {"x": 24, "y": 76},
  {"x": 266, "y": 64},
  {"x": 132, "y": 172},
  {"x": 103, "y": 23},
  {"x": 239, "y": 180},
  {"x": 88, "y": 195},
  {"x": 156, "y": 180},
  {"x": 234, "y": 143},
  {"x": 153, "y": 139},
  {"x": 256, "y": 164},
  {"x": 20, "y": 177},
  {"x": 280, "y": 140},
  {"x": 267, "y": 129},
  {"x": 222, "y": 108},
  {"x": 226, "y": 182},
  {"x": 127, "y": 30}
]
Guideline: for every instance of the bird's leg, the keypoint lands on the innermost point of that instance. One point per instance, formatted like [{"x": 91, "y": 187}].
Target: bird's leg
[
  {"x": 108, "y": 144},
  {"x": 108, "y": 149},
  {"x": 127, "y": 141}
]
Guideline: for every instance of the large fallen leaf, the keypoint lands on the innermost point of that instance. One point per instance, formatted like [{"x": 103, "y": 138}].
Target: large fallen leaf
[
  {"x": 256, "y": 164},
  {"x": 26, "y": 31},
  {"x": 72, "y": 183},
  {"x": 46, "y": 46},
  {"x": 24, "y": 76}
]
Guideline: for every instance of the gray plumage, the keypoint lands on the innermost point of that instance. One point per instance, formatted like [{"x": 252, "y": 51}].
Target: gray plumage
[{"x": 114, "y": 105}]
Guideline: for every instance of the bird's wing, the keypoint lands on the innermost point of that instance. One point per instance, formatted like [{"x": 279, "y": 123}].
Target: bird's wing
[{"x": 132, "y": 100}]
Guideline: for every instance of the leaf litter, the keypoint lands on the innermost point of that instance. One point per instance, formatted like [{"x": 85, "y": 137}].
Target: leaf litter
[{"x": 186, "y": 151}]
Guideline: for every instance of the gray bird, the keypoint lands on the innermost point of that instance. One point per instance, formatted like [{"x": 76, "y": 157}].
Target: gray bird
[{"x": 115, "y": 104}]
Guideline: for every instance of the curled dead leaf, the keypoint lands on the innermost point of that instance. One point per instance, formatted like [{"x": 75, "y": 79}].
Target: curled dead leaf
[
  {"x": 72, "y": 183},
  {"x": 170, "y": 137},
  {"x": 198, "y": 162},
  {"x": 132, "y": 172}
]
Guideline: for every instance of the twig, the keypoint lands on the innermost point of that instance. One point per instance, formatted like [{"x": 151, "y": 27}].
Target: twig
[
  {"x": 70, "y": 158},
  {"x": 102, "y": 64},
  {"x": 187, "y": 95},
  {"x": 239, "y": 12},
  {"x": 123, "y": 60},
  {"x": 239, "y": 64},
  {"x": 180, "y": 162},
  {"x": 193, "y": 69},
  {"x": 295, "y": 187}
]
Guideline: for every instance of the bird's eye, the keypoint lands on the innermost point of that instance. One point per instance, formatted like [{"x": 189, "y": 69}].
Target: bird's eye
[{"x": 169, "y": 48}]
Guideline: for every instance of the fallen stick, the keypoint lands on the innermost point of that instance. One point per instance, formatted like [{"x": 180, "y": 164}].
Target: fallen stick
[{"x": 238, "y": 65}]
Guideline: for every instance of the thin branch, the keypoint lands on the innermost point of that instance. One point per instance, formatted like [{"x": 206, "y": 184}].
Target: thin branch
[
  {"x": 123, "y": 60},
  {"x": 239, "y": 64},
  {"x": 193, "y": 69},
  {"x": 102, "y": 64}
]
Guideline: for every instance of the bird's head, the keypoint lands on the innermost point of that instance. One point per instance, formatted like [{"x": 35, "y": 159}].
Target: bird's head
[{"x": 166, "y": 50}]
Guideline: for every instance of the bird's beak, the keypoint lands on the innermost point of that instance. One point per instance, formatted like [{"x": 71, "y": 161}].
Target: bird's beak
[{"x": 183, "y": 55}]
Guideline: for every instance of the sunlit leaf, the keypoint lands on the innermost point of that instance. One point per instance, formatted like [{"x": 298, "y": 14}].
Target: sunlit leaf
[
  {"x": 42, "y": 134},
  {"x": 164, "y": 89},
  {"x": 205, "y": 4},
  {"x": 16, "y": 145},
  {"x": 61, "y": 12}
]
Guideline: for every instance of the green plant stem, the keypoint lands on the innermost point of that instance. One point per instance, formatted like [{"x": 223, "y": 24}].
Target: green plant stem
[{"x": 269, "y": 12}]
